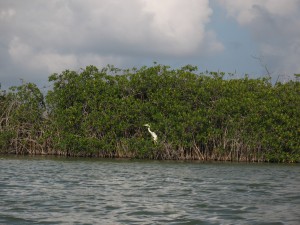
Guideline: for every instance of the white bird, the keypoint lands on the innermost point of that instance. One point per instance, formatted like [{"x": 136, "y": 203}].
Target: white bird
[{"x": 154, "y": 136}]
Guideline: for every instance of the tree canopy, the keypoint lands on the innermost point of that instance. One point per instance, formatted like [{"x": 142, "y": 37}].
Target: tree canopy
[{"x": 196, "y": 115}]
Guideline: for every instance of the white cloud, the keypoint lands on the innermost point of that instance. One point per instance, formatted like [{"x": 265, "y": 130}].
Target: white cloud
[
  {"x": 25, "y": 56},
  {"x": 245, "y": 11},
  {"x": 178, "y": 27},
  {"x": 7, "y": 14},
  {"x": 49, "y": 36},
  {"x": 18, "y": 50}
]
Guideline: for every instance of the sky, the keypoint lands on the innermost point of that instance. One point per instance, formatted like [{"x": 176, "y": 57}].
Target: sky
[{"x": 255, "y": 37}]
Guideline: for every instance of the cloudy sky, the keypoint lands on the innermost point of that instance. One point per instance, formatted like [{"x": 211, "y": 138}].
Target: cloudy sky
[{"x": 38, "y": 38}]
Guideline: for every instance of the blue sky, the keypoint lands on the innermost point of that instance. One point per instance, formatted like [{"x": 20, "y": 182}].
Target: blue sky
[
  {"x": 38, "y": 38},
  {"x": 239, "y": 47}
]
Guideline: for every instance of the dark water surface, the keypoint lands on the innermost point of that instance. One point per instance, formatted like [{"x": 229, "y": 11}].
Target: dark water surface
[{"x": 35, "y": 190}]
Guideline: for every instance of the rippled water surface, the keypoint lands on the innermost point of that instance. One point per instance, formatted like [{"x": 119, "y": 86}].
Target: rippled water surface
[{"x": 79, "y": 191}]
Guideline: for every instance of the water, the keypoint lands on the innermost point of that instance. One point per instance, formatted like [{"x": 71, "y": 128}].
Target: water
[{"x": 36, "y": 190}]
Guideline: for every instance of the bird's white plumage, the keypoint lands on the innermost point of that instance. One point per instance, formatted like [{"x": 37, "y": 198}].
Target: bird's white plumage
[{"x": 153, "y": 134}]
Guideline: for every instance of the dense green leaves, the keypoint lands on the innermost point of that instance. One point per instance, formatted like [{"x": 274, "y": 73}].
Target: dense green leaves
[
  {"x": 22, "y": 111},
  {"x": 195, "y": 115}
]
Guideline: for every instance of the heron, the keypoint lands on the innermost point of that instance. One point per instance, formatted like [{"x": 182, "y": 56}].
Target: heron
[{"x": 154, "y": 136}]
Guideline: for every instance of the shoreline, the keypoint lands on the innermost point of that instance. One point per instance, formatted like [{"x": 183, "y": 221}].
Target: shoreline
[{"x": 80, "y": 157}]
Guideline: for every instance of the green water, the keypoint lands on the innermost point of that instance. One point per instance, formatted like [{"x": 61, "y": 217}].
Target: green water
[{"x": 35, "y": 190}]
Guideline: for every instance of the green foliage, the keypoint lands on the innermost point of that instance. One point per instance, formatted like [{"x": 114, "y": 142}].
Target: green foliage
[
  {"x": 22, "y": 119},
  {"x": 195, "y": 115}
]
